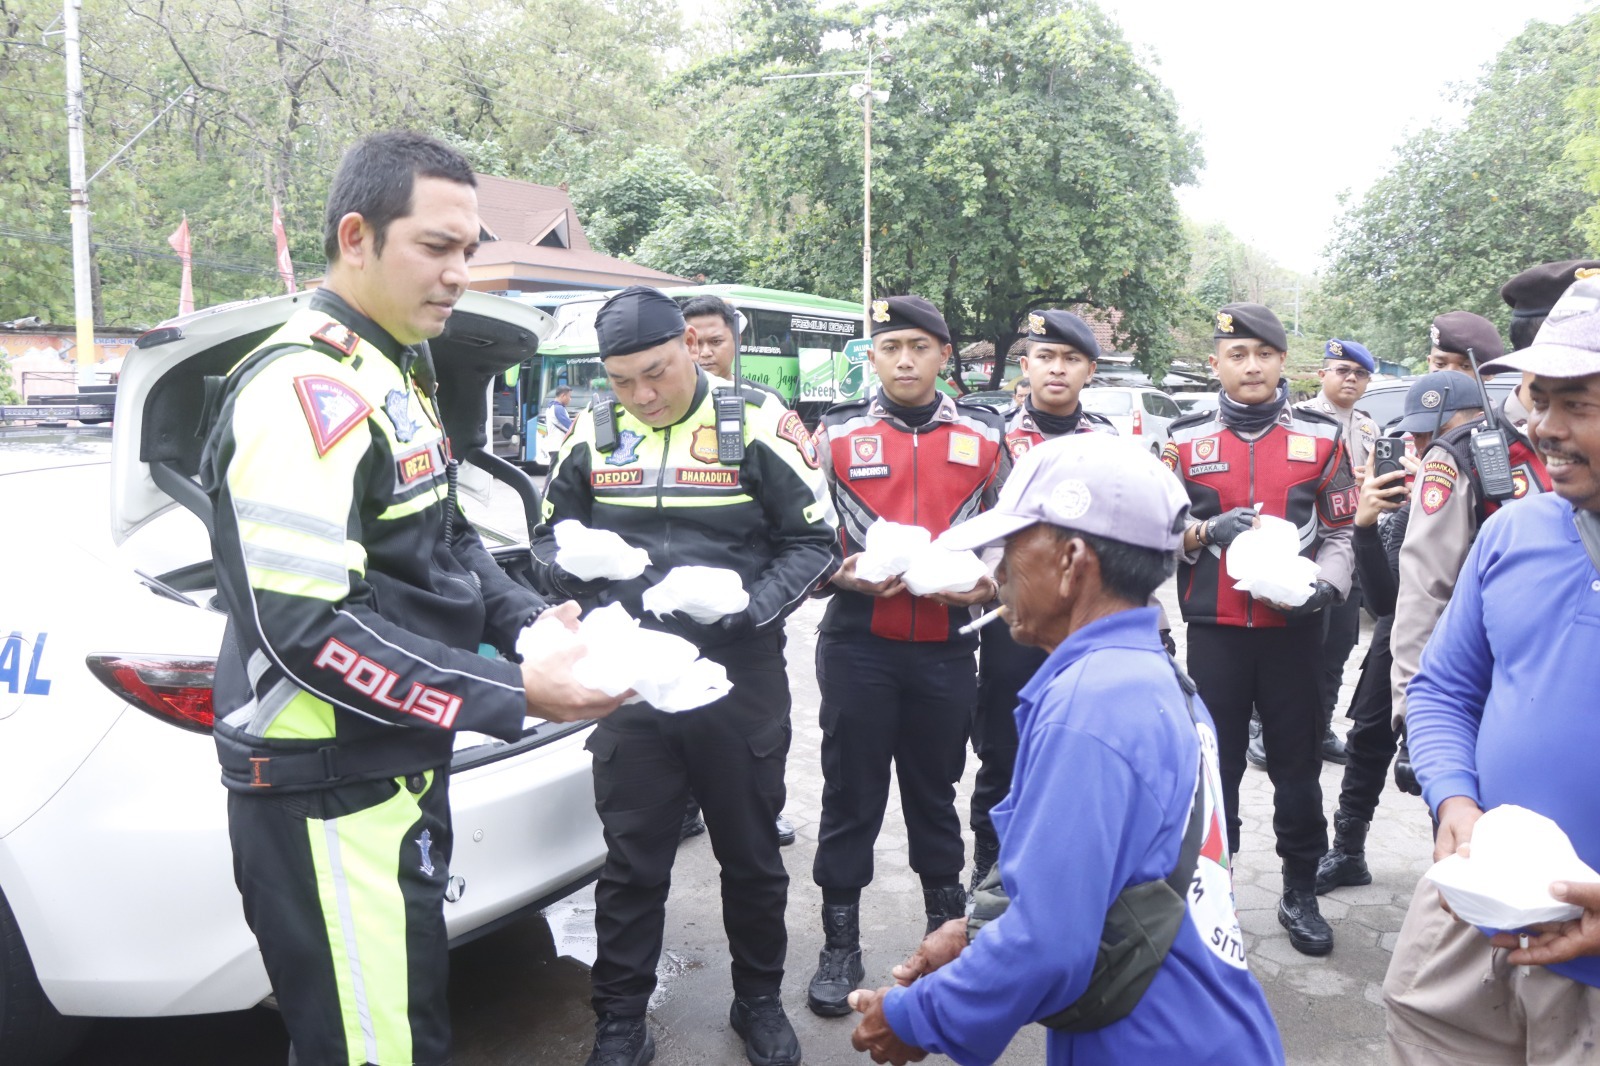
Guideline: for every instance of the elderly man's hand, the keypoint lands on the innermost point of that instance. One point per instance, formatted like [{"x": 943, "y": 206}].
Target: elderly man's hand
[
  {"x": 1560, "y": 941},
  {"x": 873, "y": 1033},
  {"x": 937, "y": 949}
]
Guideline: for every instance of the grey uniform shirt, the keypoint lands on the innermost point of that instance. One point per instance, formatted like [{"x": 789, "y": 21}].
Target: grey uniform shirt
[{"x": 1360, "y": 430}]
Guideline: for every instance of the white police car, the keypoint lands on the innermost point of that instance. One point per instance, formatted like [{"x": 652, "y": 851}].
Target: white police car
[{"x": 116, "y": 883}]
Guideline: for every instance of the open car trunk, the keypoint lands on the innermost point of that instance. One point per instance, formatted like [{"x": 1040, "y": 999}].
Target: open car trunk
[{"x": 160, "y": 398}]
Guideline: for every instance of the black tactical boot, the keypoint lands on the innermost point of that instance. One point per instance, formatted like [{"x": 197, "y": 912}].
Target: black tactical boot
[
  {"x": 785, "y": 832},
  {"x": 1256, "y": 752},
  {"x": 693, "y": 824},
  {"x": 1346, "y": 861},
  {"x": 984, "y": 856},
  {"x": 942, "y": 904},
  {"x": 1298, "y": 913},
  {"x": 769, "y": 1039},
  {"x": 839, "y": 969},
  {"x": 1333, "y": 747},
  {"x": 622, "y": 1041}
]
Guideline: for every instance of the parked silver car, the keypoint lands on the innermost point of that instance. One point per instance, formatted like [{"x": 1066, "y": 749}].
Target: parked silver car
[{"x": 1142, "y": 414}]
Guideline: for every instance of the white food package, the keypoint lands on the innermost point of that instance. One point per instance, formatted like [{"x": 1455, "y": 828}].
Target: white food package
[
  {"x": 936, "y": 569},
  {"x": 704, "y": 593},
  {"x": 664, "y": 670},
  {"x": 1266, "y": 562},
  {"x": 595, "y": 554},
  {"x": 1505, "y": 884},
  {"x": 889, "y": 549}
]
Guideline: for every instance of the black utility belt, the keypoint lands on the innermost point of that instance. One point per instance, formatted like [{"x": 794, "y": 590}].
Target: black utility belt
[{"x": 252, "y": 768}]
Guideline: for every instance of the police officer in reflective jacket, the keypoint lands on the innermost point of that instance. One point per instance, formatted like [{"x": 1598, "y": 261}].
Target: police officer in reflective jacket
[
  {"x": 648, "y": 465},
  {"x": 357, "y": 598}
]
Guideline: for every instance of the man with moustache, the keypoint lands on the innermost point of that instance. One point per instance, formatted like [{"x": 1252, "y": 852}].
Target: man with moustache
[
  {"x": 1256, "y": 452},
  {"x": 1501, "y": 711},
  {"x": 357, "y": 597}
]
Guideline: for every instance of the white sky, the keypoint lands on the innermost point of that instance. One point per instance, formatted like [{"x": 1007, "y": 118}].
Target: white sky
[{"x": 1296, "y": 102}]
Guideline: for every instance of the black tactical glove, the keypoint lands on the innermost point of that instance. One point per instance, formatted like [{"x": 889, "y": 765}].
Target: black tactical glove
[
  {"x": 1323, "y": 595},
  {"x": 726, "y": 630},
  {"x": 1405, "y": 778},
  {"x": 1168, "y": 643},
  {"x": 1224, "y": 528},
  {"x": 574, "y": 588}
]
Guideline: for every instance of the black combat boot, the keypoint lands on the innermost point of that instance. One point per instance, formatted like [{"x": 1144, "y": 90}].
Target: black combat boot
[
  {"x": 785, "y": 832},
  {"x": 622, "y": 1040},
  {"x": 769, "y": 1039},
  {"x": 984, "y": 856},
  {"x": 839, "y": 969},
  {"x": 1333, "y": 747},
  {"x": 942, "y": 904},
  {"x": 1298, "y": 913},
  {"x": 1346, "y": 861}
]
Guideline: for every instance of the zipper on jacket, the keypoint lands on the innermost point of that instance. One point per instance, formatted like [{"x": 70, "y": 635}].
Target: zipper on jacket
[
  {"x": 1249, "y": 601},
  {"x": 916, "y": 434},
  {"x": 661, "y": 507}
]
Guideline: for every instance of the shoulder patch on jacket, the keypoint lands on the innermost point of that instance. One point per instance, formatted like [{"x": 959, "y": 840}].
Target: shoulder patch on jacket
[
  {"x": 331, "y": 407},
  {"x": 1169, "y": 455},
  {"x": 338, "y": 336},
  {"x": 793, "y": 430}
]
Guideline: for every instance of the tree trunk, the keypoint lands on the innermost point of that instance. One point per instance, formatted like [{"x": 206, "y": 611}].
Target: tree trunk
[{"x": 1002, "y": 346}]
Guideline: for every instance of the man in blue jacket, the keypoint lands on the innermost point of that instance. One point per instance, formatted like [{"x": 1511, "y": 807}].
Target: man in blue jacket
[
  {"x": 1113, "y": 758},
  {"x": 1502, "y": 710}
]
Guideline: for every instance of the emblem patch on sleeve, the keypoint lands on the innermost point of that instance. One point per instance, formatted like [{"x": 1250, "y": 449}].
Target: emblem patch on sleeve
[
  {"x": 1438, "y": 481},
  {"x": 1019, "y": 445},
  {"x": 332, "y": 409},
  {"x": 793, "y": 430},
  {"x": 1169, "y": 455},
  {"x": 338, "y": 336}
]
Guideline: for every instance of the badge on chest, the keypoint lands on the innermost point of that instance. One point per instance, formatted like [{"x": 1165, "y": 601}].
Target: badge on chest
[{"x": 964, "y": 449}]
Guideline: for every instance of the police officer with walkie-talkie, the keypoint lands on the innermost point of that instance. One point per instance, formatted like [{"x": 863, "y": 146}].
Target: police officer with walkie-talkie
[
  {"x": 695, "y": 472},
  {"x": 1467, "y": 474}
]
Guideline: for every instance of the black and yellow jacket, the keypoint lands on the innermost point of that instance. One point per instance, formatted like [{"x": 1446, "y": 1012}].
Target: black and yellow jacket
[
  {"x": 769, "y": 517},
  {"x": 357, "y": 594}
]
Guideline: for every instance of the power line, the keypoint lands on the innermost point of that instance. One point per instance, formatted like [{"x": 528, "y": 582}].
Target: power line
[{"x": 234, "y": 265}]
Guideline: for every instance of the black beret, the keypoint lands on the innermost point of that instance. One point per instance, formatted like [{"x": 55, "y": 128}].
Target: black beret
[
  {"x": 1535, "y": 291},
  {"x": 1244, "y": 321},
  {"x": 1062, "y": 327},
  {"x": 1456, "y": 331},
  {"x": 636, "y": 318},
  {"x": 908, "y": 312}
]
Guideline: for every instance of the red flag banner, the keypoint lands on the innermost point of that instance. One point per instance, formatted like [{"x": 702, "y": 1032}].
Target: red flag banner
[
  {"x": 180, "y": 244},
  {"x": 285, "y": 264}
]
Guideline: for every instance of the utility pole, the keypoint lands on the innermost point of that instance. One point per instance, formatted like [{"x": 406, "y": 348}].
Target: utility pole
[
  {"x": 82, "y": 296},
  {"x": 863, "y": 93}
]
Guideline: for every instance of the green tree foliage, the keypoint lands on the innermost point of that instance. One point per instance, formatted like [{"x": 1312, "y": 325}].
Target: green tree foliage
[
  {"x": 1024, "y": 159},
  {"x": 8, "y": 384},
  {"x": 1465, "y": 207},
  {"x": 280, "y": 89}
]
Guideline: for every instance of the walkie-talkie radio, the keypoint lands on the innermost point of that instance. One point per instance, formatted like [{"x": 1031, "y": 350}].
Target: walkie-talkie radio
[
  {"x": 728, "y": 407},
  {"x": 1491, "y": 451},
  {"x": 603, "y": 408}
]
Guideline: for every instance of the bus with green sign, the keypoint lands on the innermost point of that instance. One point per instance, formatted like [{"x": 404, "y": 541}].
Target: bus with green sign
[{"x": 808, "y": 349}]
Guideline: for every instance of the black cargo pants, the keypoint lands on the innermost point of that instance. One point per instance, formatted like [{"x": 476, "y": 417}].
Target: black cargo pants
[{"x": 730, "y": 756}]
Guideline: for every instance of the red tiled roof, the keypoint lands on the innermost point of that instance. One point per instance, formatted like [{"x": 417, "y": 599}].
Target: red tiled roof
[{"x": 522, "y": 211}]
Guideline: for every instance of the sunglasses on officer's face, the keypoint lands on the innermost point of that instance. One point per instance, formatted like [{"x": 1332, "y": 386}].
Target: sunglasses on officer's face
[{"x": 1350, "y": 372}]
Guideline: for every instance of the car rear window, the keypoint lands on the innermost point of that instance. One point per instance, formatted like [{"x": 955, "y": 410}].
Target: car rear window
[{"x": 1107, "y": 403}]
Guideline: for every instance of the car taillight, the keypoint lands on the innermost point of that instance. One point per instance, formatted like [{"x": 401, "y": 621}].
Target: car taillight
[
  {"x": 177, "y": 691},
  {"x": 1138, "y": 421}
]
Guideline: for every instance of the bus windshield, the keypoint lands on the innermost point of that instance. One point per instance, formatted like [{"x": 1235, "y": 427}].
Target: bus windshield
[{"x": 575, "y": 325}]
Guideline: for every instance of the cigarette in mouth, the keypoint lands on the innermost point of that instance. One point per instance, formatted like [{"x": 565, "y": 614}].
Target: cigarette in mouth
[{"x": 981, "y": 621}]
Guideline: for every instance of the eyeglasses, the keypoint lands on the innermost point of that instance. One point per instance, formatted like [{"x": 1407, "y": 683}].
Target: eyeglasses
[{"x": 1350, "y": 372}]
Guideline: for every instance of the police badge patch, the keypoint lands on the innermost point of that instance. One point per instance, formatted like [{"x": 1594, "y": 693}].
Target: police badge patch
[
  {"x": 397, "y": 405},
  {"x": 627, "y": 449}
]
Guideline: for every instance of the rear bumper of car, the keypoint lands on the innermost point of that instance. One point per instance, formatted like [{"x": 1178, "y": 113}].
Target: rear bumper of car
[{"x": 123, "y": 883}]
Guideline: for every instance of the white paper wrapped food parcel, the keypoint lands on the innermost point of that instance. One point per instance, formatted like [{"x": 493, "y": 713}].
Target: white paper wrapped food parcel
[
  {"x": 662, "y": 669},
  {"x": 1266, "y": 563},
  {"x": 704, "y": 593},
  {"x": 596, "y": 554},
  {"x": 909, "y": 552},
  {"x": 1505, "y": 882}
]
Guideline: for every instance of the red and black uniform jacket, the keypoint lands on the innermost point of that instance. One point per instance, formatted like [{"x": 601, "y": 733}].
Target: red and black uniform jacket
[
  {"x": 933, "y": 476},
  {"x": 1528, "y": 474},
  {"x": 1023, "y": 433},
  {"x": 1297, "y": 470}
]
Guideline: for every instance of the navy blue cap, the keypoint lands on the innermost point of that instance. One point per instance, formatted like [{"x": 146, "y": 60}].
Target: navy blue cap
[
  {"x": 1433, "y": 398},
  {"x": 1061, "y": 327},
  {"x": 1351, "y": 350},
  {"x": 636, "y": 318},
  {"x": 908, "y": 312},
  {"x": 1236, "y": 321}
]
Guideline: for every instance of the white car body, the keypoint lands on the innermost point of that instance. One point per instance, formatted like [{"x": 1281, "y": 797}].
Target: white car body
[
  {"x": 1141, "y": 414},
  {"x": 114, "y": 853}
]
